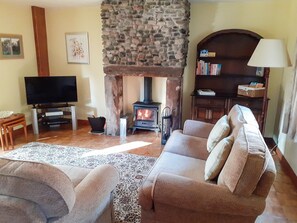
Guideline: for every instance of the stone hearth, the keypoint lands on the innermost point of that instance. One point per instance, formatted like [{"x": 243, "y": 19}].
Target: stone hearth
[{"x": 144, "y": 38}]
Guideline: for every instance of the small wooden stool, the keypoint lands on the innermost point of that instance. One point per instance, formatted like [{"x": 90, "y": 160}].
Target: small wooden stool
[{"x": 6, "y": 127}]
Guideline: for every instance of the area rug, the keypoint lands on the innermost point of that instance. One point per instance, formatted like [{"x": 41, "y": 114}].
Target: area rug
[{"x": 132, "y": 168}]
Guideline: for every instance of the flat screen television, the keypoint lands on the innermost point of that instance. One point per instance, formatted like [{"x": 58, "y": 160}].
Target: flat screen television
[{"x": 50, "y": 90}]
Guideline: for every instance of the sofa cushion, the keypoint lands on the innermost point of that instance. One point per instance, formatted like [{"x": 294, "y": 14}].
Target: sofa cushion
[
  {"x": 220, "y": 130},
  {"x": 40, "y": 183},
  {"x": 192, "y": 146},
  {"x": 170, "y": 163},
  {"x": 217, "y": 158},
  {"x": 240, "y": 115},
  {"x": 246, "y": 163}
]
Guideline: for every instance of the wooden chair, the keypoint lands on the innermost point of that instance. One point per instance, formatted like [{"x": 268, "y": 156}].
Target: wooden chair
[{"x": 1, "y": 138}]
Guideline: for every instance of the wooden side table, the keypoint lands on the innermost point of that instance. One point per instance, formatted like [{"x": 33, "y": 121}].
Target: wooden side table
[{"x": 6, "y": 127}]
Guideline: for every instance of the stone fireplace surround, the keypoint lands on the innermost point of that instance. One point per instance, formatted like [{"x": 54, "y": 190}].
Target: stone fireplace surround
[{"x": 144, "y": 38}]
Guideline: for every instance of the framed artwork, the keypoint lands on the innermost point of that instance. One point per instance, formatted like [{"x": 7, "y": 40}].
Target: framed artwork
[
  {"x": 77, "y": 47},
  {"x": 11, "y": 46},
  {"x": 260, "y": 71}
]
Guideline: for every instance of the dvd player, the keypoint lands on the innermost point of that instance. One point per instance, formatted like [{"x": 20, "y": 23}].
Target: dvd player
[{"x": 53, "y": 113}]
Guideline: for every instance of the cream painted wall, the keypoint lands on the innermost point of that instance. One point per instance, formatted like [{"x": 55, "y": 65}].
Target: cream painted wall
[
  {"x": 286, "y": 145},
  {"x": 132, "y": 90},
  {"x": 90, "y": 77},
  {"x": 266, "y": 18},
  {"x": 15, "y": 19}
]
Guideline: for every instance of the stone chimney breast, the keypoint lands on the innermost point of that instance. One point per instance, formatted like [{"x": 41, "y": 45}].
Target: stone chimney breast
[
  {"x": 144, "y": 38},
  {"x": 145, "y": 32}
]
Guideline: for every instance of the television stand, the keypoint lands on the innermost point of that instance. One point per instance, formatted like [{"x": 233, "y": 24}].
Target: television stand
[{"x": 53, "y": 115}]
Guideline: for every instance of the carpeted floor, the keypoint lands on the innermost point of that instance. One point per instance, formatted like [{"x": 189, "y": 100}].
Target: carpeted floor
[{"x": 132, "y": 169}]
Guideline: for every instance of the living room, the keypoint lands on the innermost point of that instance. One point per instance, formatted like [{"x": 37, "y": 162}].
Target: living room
[{"x": 269, "y": 18}]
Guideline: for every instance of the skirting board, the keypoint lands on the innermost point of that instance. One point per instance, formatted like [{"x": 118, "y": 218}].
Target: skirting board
[
  {"x": 83, "y": 122},
  {"x": 287, "y": 168},
  {"x": 283, "y": 162}
]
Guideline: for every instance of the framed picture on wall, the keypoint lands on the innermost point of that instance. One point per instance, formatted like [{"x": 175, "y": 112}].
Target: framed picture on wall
[
  {"x": 11, "y": 46},
  {"x": 77, "y": 47}
]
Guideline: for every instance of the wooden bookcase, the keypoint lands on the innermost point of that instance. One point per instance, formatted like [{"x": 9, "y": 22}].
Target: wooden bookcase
[{"x": 233, "y": 49}]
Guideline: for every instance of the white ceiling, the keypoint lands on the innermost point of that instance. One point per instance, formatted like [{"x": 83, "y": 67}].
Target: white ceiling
[{"x": 74, "y": 3}]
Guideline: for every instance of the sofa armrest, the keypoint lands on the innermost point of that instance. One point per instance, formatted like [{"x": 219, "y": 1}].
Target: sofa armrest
[
  {"x": 93, "y": 194},
  {"x": 191, "y": 195},
  {"x": 187, "y": 145},
  {"x": 102, "y": 179},
  {"x": 197, "y": 128}
]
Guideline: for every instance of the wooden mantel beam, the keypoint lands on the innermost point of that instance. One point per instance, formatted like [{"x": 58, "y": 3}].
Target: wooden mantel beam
[{"x": 142, "y": 71}]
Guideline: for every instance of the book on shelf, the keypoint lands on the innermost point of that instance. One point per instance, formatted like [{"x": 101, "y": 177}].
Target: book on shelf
[
  {"x": 205, "y": 68},
  {"x": 206, "y": 53},
  {"x": 215, "y": 69},
  {"x": 207, "y": 92}
]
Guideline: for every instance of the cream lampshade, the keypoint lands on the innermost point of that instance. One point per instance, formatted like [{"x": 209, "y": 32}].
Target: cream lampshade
[{"x": 270, "y": 53}]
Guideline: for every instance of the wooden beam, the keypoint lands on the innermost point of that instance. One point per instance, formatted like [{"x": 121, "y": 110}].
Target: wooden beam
[
  {"x": 143, "y": 71},
  {"x": 39, "y": 24},
  {"x": 174, "y": 100},
  {"x": 114, "y": 103}
]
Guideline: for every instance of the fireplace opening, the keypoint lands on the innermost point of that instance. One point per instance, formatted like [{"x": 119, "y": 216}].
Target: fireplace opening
[{"x": 146, "y": 113}]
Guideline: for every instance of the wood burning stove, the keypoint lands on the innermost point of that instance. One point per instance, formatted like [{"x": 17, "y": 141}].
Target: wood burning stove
[
  {"x": 146, "y": 113},
  {"x": 146, "y": 116}
]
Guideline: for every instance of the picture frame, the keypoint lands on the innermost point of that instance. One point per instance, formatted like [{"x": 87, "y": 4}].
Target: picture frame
[
  {"x": 260, "y": 71},
  {"x": 77, "y": 48},
  {"x": 11, "y": 46}
]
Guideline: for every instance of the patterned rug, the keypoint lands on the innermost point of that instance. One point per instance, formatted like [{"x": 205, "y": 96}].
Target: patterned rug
[{"x": 132, "y": 169}]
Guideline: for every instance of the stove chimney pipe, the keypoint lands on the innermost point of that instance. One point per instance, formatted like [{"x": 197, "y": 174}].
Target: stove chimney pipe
[{"x": 148, "y": 90}]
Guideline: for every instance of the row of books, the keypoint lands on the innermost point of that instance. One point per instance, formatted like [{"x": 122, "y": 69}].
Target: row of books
[{"x": 204, "y": 68}]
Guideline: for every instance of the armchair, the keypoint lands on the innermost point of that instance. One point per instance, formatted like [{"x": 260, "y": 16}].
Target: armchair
[{"x": 39, "y": 192}]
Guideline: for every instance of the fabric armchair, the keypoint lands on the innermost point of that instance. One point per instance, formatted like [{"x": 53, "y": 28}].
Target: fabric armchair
[{"x": 39, "y": 192}]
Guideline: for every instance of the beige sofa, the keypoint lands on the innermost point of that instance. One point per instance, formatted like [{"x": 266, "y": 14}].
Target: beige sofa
[
  {"x": 176, "y": 189},
  {"x": 32, "y": 192}
]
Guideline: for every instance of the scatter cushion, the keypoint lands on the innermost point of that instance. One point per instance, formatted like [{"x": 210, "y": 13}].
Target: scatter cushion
[
  {"x": 217, "y": 158},
  {"x": 246, "y": 162},
  {"x": 220, "y": 130},
  {"x": 240, "y": 115}
]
